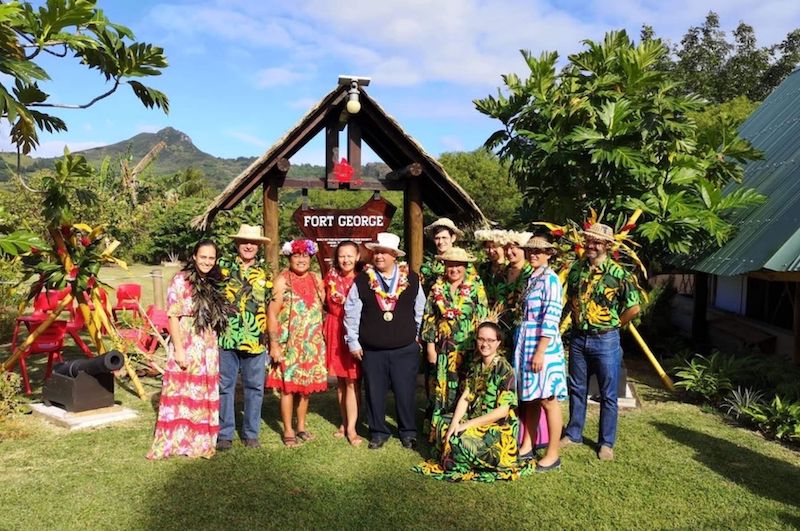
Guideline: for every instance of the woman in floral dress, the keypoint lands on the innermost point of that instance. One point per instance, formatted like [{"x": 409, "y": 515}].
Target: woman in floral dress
[
  {"x": 511, "y": 289},
  {"x": 539, "y": 364},
  {"x": 479, "y": 441},
  {"x": 297, "y": 347},
  {"x": 455, "y": 305},
  {"x": 188, "y": 410},
  {"x": 340, "y": 362}
]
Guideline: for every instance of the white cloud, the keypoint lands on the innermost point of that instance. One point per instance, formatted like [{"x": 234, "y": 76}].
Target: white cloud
[
  {"x": 277, "y": 77},
  {"x": 248, "y": 139}
]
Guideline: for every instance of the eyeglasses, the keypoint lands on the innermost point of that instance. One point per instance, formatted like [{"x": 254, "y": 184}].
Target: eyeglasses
[{"x": 486, "y": 340}]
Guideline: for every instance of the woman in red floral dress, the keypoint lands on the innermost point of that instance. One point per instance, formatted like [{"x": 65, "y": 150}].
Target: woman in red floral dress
[
  {"x": 297, "y": 348},
  {"x": 340, "y": 362}
]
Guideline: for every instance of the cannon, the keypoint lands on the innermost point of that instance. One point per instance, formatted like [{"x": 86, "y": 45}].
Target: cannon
[{"x": 81, "y": 385}]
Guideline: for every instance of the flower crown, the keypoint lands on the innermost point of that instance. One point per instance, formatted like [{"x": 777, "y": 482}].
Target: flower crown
[{"x": 299, "y": 247}]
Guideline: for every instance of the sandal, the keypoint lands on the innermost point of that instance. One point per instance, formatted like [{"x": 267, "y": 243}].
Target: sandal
[
  {"x": 355, "y": 440},
  {"x": 338, "y": 434},
  {"x": 290, "y": 441},
  {"x": 305, "y": 436}
]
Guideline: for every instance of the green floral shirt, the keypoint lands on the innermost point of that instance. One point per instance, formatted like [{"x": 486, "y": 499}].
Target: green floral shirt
[
  {"x": 490, "y": 387},
  {"x": 432, "y": 268},
  {"x": 598, "y": 295},
  {"x": 250, "y": 292}
]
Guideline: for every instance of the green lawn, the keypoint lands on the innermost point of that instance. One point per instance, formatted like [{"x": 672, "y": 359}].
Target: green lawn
[{"x": 677, "y": 467}]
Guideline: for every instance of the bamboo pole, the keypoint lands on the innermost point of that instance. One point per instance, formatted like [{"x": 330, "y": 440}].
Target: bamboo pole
[
  {"x": 101, "y": 311},
  {"x": 653, "y": 361}
]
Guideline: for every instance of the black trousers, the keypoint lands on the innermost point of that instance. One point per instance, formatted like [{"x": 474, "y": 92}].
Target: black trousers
[{"x": 395, "y": 369}]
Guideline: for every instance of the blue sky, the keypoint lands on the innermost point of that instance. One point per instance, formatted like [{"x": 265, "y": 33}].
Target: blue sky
[{"x": 242, "y": 72}]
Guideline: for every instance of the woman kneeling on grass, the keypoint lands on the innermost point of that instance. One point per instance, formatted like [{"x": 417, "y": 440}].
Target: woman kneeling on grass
[
  {"x": 297, "y": 348},
  {"x": 188, "y": 410},
  {"x": 479, "y": 441}
]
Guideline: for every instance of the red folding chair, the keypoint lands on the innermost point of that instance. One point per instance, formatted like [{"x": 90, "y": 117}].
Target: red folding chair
[
  {"x": 128, "y": 297},
  {"x": 50, "y": 342}
]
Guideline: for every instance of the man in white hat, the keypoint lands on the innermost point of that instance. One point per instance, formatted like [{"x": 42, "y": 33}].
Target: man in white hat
[
  {"x": 444, "y": 234},
  {"x": 383, "y": 313},
  {"x": 243, "y": 347},
  {"x": 603, "y": 298}
]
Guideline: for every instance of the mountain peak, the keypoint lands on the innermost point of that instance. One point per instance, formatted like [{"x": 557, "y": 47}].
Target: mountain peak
[{"x": 170, "y": 135}]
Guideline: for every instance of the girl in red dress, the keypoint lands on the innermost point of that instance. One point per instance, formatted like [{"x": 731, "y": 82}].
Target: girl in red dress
[{"x": 339, "y": 360}]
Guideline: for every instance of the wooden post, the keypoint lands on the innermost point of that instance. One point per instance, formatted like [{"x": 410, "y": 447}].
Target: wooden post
[
  {"x": 412, "y": 217},
  {"x": 699, "y": 320},
  {"x": 331, "y": 151},
  {"x": 797, "y": 323},
  {"x": 158, "y": 288},
  {"x": 354, "y": 147},
  {"x": 271, "y": 223}
]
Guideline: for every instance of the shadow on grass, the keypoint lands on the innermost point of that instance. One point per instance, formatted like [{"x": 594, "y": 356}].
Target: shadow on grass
[{"x": 762, "y": 475}]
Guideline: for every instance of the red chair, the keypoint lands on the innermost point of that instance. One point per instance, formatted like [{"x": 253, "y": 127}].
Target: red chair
[
  {"x": 145, "y": 338},
  {"x": 128, "y": 297},
  {"x": 50, "y": 342},
  {"x": 75, "y": 324},
  {"x": 48, "y": 300}
]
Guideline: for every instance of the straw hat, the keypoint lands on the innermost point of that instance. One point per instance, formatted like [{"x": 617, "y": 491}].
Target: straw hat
[
  {"x": 250, "y": 233},
  {"x": 386, "y": 242},
  {"x": 443, "y": 223},
  {"x": 517, "y": 238},
  {"x": 537, "y": 242},
  {"x": 456, "y": 254},
  {"x": 488, "y": 235},
  {"x": 598, "y": 231}
]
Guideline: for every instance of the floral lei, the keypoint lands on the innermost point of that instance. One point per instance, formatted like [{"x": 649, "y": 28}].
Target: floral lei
[
  {"x": 453, "y": 312},
  {"x": 377, "y": 287},
  {"x": 334, "y": 281}
]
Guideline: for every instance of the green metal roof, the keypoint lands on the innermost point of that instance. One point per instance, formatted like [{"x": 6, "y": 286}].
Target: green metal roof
[{"x": 768, "y": 236}]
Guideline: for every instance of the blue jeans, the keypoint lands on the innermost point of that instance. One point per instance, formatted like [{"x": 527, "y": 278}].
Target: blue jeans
[
  {"x": 253, "y": 369},
  {"x": 600, "y": 355}
]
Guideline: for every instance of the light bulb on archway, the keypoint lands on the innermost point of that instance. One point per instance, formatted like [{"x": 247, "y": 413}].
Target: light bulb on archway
[{"x": 353, "y": 106}]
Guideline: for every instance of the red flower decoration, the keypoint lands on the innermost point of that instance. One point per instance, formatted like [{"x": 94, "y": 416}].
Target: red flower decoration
[
  {"x": 73, "y": 274},
  {"x": 343, "y": 172},
  {"x": 34, "y": 250},
  {"x": 578, "y": 247},
  {"x": 586, "y": 225},
  {"x": 616, "y": 255},
  {"x": 85, "y": 241},
  {"x": 628, "y": 228},
  {"x": 61, "y": 251},
  {"x": 91, "y": 282},
  {"x": 557, "y": 233}
]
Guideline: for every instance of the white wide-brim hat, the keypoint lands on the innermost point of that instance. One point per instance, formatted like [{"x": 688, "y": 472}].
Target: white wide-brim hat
[
  {"x": 250, "y": 233},
  {"x": 386, "y": 241}
]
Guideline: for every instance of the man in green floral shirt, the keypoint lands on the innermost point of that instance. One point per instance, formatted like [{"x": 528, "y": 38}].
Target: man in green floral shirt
[
  {"x": 603, "y": 298},
  {"x": 243, "y": 347}
]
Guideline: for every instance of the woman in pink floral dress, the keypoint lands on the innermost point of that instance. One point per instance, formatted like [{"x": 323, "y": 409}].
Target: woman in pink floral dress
[{"x": 188, "y": 411}]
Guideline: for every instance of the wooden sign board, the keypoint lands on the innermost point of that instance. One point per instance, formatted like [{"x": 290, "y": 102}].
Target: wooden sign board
[{"x": 329, "y": 226}]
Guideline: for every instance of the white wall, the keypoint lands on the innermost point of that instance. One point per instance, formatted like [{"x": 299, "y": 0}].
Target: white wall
[{"x": 731, "y": 294}]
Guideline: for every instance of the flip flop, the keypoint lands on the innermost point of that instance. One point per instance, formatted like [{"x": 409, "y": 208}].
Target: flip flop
[
  {"x": 338, "y": 434},
  {"x": 290, "y": 441},
  {"x": 305, "y": 436}
]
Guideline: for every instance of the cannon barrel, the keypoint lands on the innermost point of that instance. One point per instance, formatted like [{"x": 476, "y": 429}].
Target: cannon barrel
[{"x": 110, "y": 362}]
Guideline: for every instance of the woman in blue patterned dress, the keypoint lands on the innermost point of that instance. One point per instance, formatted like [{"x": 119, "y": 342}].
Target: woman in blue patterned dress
[{"x": 539, "y": 362}]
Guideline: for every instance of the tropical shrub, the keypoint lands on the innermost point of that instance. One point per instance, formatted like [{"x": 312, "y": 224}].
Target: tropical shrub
[
  {"x": 711, "y": 377},
  {"x": 779, "y": 419},
  {"x": 743, "y": 404}
]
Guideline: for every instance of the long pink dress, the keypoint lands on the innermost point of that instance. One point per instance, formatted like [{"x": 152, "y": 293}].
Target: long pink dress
[
  {"x": 339, "y": 360},
  {"x": 188, "y": 412}
]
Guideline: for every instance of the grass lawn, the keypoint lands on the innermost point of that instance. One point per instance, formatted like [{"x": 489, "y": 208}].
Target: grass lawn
[{"x": 677, "y": 467}]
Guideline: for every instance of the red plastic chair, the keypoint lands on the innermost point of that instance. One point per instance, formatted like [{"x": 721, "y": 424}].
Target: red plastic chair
[
  {"x": 74, "y": 326},
  {"x": 145, "y": 338},
  {"x": 50, "y": 342},
  {"x": 128, "y": 297},
  {"x": 48, "y": 301}
]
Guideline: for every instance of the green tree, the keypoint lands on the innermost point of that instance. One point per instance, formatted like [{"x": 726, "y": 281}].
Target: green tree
[
  {"x": 613, "y": 132},
  {"x": 709, "y": 64},
  {"x": 58, "y": 29},
  {"x": 487, "y": 181}
]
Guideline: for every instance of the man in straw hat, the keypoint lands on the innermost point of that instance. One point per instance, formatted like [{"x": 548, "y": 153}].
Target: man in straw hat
[
  {"x": 243, "y": 347},
  {"x": 444, "y": 234},
  {"x": 383, "y": 313},
  {"x": 603, "y": 298}
]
